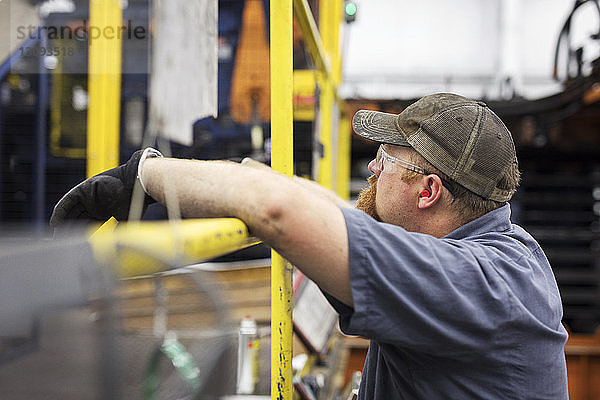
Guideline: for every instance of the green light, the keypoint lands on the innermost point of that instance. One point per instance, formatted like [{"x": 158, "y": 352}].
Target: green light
[{"x": 350, "y": 8}]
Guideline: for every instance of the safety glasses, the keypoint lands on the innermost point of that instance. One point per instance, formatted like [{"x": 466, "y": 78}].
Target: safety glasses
[
  {"x": 392, "y": 164},
  {"x": 383, "y": 161}
]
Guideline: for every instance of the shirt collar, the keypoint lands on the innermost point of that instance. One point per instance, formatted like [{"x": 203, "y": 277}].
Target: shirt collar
[{"x": 497, "y": 220}]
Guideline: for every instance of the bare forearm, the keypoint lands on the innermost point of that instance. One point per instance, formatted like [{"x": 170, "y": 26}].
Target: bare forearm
[
  {"x": 207, "y": 188},
  {"x": 268, "y": 202},
  {"x": 223, "y": 188},
  {"x": 306, "y": 228},
  {"x": 312, "y": 186},
  {"x": 218, "y": 189}
]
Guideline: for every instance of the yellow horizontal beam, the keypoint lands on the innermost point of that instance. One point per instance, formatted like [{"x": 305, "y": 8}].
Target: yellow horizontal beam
[{"x": 144, "y": 248}]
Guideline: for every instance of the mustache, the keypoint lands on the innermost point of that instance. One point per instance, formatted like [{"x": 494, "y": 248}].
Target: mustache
[{"x": 367, "y": 198}]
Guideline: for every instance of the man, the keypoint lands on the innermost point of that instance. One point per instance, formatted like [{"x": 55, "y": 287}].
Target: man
[{"x": 458, "y": 302}]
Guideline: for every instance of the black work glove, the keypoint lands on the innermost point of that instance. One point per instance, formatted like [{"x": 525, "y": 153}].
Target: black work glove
[{"x": 100, "y": 197}]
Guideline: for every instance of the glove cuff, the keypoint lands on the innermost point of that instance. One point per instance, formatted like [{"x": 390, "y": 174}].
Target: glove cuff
[{"x": 149, "y": 152}]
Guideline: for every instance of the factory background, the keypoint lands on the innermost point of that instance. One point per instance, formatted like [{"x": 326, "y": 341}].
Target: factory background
[{"x": 535, "y": 63}]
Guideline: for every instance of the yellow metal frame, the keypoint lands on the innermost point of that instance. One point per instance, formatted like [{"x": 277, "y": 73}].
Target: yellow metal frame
[
  {"x": 324, "y": 48},
  {"x": 282, "y": 155},
  {"x": 330, "y": 14},
  {"x": 282, "y": 148},
  {"x": 343, "y": 159},
  {"x": 145, "y": 248},
  {"x": 104, "y": 86},
  {"x": 137, "y": 249}
]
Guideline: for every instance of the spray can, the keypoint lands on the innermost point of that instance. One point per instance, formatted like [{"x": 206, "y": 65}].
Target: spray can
[{"x": 248, "y": 347}]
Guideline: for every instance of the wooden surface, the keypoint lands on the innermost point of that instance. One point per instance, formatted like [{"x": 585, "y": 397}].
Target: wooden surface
[
  {"x": 583, "y": 366},
  {"x": 240, "y": 293}
]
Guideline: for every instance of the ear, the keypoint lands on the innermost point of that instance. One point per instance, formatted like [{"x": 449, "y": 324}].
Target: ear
[{"x": 430, "y": 192}]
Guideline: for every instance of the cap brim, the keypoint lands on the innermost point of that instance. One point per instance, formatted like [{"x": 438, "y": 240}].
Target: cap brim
[{"x": 378, "y": 126}]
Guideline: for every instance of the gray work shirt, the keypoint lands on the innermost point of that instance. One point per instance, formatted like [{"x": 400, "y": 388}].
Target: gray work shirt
[{"x": 473, "y": 315}]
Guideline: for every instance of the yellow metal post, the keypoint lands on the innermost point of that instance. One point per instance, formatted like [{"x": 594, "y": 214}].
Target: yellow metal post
[
  {"x": 104, "y": 85},
  {"x": 342, "y": 179},
  {"x": 326, "y": 99},
  {"x": 332, "y": 25},
  {"x": 329, "y": 25},
  {"x": 343, "y": 158},
  {"x": 281, "y": 160},
  {"x": 329, "y": 76},
  {"x": 331, "y": 38}
]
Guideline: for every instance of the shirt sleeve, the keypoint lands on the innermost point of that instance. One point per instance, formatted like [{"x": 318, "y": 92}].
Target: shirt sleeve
[{"x": 441, "y": 296}]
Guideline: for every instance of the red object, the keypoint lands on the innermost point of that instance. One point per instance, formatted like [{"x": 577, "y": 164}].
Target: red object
[{"x": 425, "y": 193}]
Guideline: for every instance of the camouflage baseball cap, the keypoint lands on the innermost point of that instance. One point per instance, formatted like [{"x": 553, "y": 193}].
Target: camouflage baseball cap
[{"x": 461, "y": 137}]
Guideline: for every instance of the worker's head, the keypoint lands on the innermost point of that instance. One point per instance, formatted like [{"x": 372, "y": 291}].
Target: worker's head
[{"x": 445, "y": 151}]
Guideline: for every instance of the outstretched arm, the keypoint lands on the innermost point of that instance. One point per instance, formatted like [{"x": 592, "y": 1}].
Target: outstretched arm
[
  {"x": 307, "y": 183},
  {"x": 304, "y": 225}
]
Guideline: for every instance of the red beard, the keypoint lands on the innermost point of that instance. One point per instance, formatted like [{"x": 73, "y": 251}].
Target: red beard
[{"x": 366, "y": 198}]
